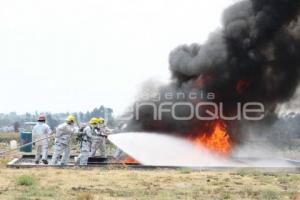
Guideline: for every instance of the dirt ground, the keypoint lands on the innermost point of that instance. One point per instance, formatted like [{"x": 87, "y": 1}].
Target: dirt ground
[{"x": 124, "y": 183}]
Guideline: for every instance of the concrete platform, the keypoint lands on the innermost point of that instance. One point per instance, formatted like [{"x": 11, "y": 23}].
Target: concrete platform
[{"x": 27, "y": 161}]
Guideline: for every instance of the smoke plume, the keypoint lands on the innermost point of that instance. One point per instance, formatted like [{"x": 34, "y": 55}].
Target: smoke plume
[{"x": 255, "y": 57}]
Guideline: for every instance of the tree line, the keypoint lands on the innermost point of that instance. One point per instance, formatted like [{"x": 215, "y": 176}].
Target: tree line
[{"x": 54, "y": 119}]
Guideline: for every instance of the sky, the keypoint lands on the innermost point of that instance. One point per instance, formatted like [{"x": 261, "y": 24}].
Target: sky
[{"x": 74, "y": 55}]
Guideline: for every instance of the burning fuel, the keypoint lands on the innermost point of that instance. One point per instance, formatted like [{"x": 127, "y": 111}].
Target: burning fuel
[
  {"x": 218, "y": 141},
  {"x": 129, "y": 160}
]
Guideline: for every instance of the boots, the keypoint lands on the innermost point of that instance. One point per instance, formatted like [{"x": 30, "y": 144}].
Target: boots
[{"x": 45, "y": 162}]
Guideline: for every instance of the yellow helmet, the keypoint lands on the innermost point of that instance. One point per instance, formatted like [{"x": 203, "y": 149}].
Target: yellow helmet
[
  {"x": 93, "y": 121},
  {"x": 71, "y": 118},
  {"x": 100, "y": 120}
]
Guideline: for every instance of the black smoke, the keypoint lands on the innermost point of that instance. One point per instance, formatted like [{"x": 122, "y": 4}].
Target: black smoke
[{"x": 254, "y": 57}]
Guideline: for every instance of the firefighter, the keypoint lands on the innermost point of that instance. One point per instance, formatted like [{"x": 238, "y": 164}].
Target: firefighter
[
  {"x": 105, "y": 130},
  {"x": 99, "y": 139},
  {"x": 41, "y": 130},
  {"x": 86, "y": 141},
  {"x": 63, "y": 136}
]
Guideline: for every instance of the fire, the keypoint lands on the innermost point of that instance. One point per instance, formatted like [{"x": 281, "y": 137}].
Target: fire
[
  {"x": 218, "y": 141},
  {"x": 129, "y": 160}
]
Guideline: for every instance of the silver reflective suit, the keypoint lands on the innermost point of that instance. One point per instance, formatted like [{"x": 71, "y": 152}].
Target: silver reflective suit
[
  {"x": 85, "y": 145},
  {"x": 99, "y": 141},
  {"x": 62, "y": 143}
]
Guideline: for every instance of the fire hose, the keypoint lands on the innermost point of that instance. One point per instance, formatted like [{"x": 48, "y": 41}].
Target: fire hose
[
  {"x": 27, "y": 144},
  {"x": 3, "y": 153}
]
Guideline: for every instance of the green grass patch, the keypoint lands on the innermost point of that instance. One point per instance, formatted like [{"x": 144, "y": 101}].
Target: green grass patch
[
  {"x": 26, "y": 180},
  {"x": 269, "y": 195}
]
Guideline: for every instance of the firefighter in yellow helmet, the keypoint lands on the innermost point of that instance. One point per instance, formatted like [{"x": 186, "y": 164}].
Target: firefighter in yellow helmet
[
  {"x": 105, "y": 130},
  {"x": 64, "y": 132},
  {"x": 86, "y": 141},
  {"x": 99, "y": 139},
  {"x": 100, "y": 121}
]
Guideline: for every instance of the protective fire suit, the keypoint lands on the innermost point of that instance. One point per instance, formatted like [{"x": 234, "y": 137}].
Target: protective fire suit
[
  {"x": 63, "y": 136},
  {"x": 40, "y": 131},
  {"x": 85, "y": 144},
  {"x": 99, "y": 141}
]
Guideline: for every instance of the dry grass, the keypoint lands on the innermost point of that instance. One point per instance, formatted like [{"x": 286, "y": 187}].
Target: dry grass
[
  {"x": 90, "y": 184},
  {"x": 6, "y": 137},
  {"x": 126, "y": 184}
]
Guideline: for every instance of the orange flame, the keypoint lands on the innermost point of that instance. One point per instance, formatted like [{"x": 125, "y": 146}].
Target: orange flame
[
  {"x": 218, "y": 141},
  {"x": 129, "y": 160}
]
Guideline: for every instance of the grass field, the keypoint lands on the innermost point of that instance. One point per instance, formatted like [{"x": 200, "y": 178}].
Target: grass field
[
  {"x": 88, "y": 184},
  {"x": 128, "y": 184}
]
